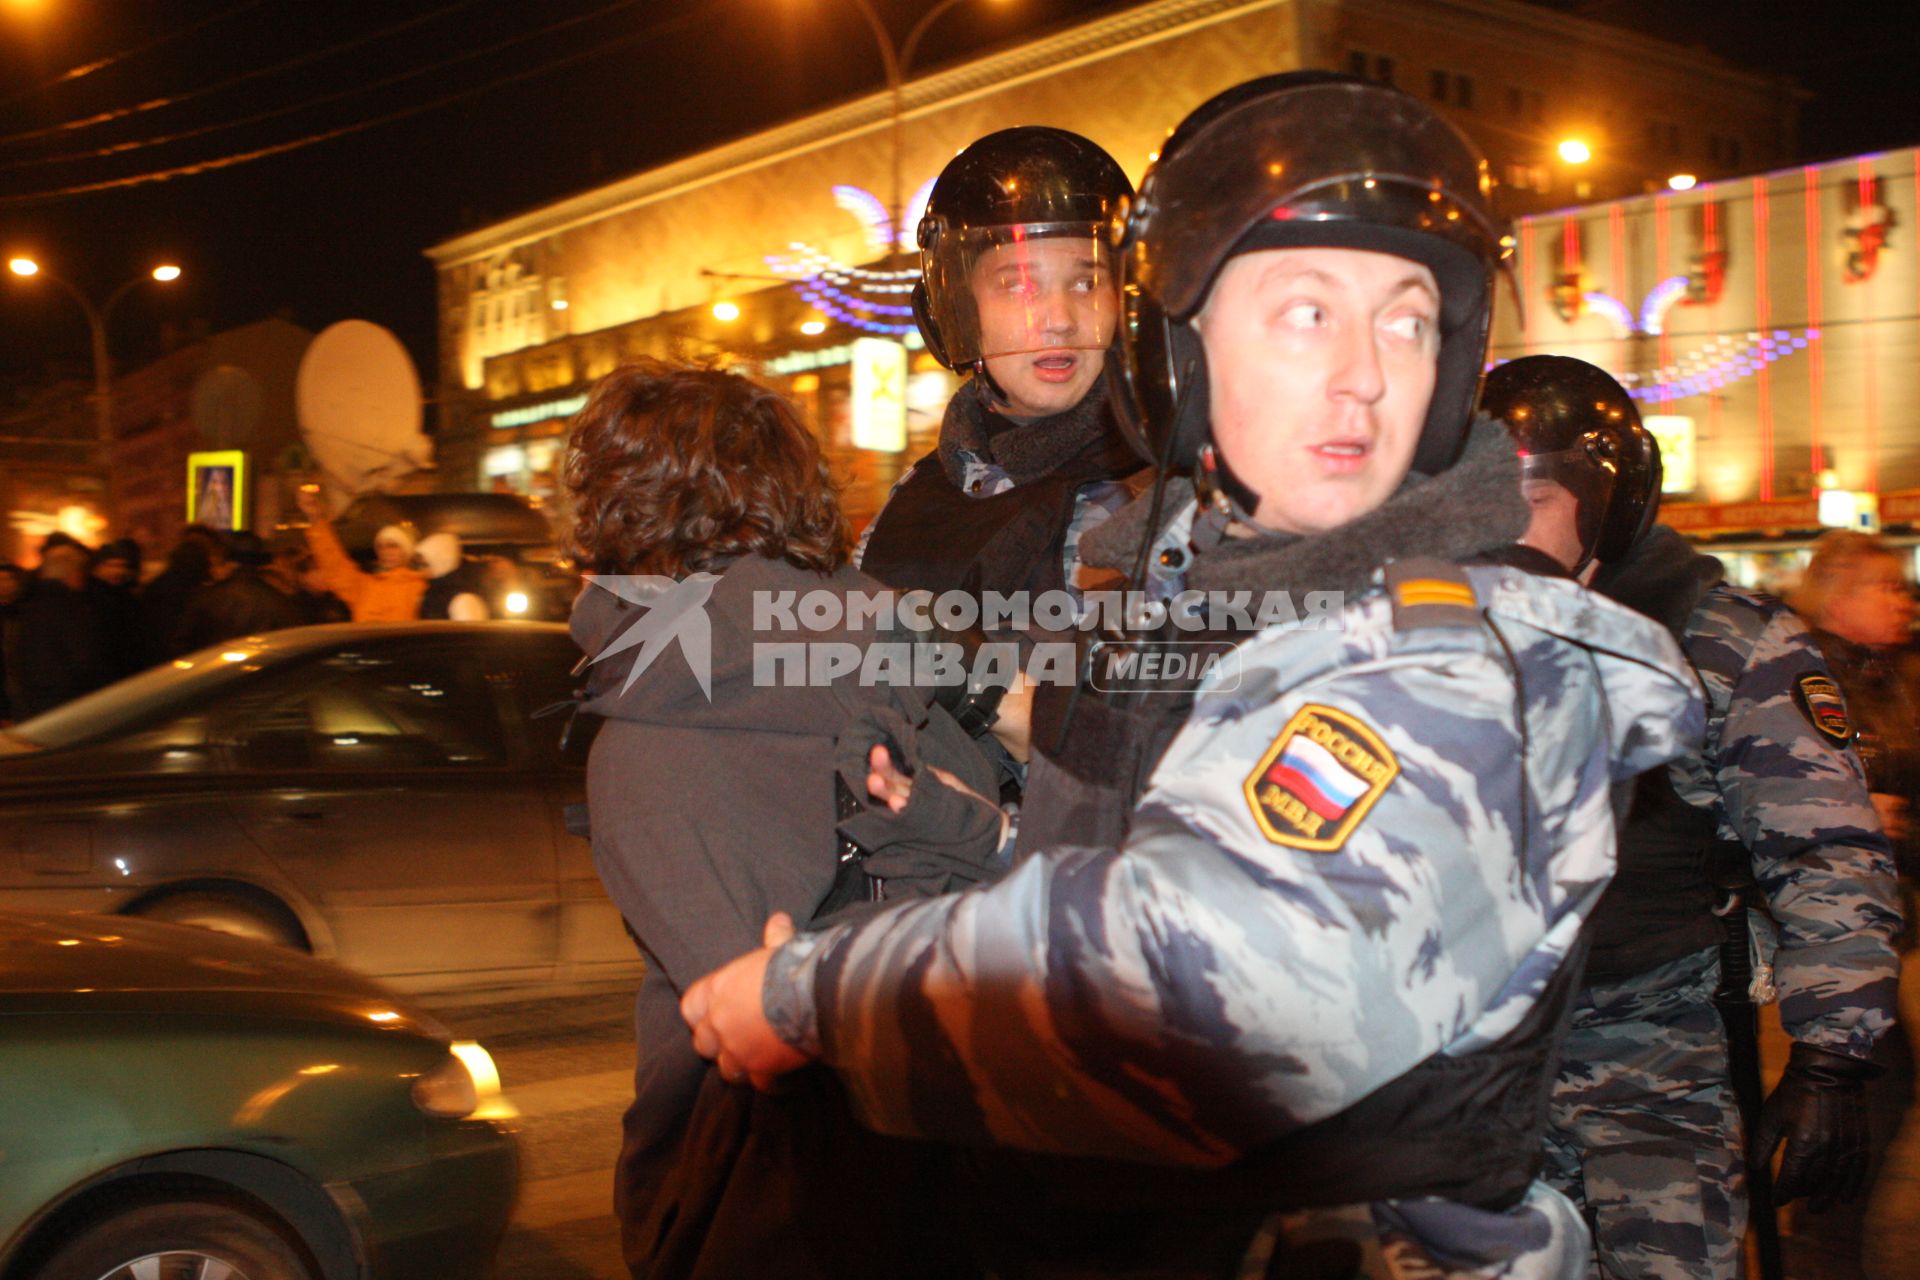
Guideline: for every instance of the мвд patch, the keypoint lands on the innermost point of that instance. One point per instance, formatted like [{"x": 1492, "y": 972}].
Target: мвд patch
[
  {"x": 1820, "y": 700},
  {"x": 1318, "y": 779}
]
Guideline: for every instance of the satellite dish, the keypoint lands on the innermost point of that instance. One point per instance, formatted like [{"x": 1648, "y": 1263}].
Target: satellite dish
[
  {"x": 358, "y": 401},
  {"x": 226, "y": 407}
]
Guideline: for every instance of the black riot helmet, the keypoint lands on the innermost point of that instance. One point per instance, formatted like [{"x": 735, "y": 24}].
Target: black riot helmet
[
  {"x": 1011, "y": 212},
  {"x": 1580, "y": 429},
  {"x": 1309, "y": 159}
]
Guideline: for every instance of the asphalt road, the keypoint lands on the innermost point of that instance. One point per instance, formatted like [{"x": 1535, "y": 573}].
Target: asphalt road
[{"x": 567, "y": 1064}]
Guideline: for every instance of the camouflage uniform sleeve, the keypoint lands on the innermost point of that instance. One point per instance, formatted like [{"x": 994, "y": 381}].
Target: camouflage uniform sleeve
[
  {"x": 1798, "y": 801},
  {"x": 1207, "y": 988}
]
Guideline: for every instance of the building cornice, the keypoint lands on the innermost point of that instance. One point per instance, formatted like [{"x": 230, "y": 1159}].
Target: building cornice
[
  {"x": 1545, "y": 31},
  {"x": 1083, "y": 42}
]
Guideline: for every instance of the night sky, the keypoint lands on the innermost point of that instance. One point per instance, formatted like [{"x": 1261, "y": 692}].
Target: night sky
[{"x": 526, "y": 101}]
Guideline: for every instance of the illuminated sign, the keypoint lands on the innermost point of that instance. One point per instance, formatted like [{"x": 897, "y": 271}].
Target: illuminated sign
[
  {"x": 1674, "y": 434},
  {"x": 1844, "y": 509},
  {"x": 217, "y": 489},
  {"x": 879, "y": 395},
  {"x": 539, "y": 412}
]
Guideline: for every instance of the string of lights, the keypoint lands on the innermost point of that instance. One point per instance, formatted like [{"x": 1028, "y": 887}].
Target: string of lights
[
  {"x": 101, "y": 64},
  {"x": 412, "y": 73},
  {"x": 256, "y": 73},
  {"x": 281, "y": 148}
]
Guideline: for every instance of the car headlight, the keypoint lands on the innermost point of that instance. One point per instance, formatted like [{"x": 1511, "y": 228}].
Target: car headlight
[
  {"x": 466, "y": 1084},
  {"x": 517, "y": 602}
]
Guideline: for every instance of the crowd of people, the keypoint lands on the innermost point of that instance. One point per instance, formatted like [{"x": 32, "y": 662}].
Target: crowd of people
[
  {"x": 84, "y": 617},
  {"x": 1428, "y": 942}
]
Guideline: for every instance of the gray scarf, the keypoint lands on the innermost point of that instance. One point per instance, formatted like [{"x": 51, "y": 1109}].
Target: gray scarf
[
  {"x": 1472, "y": 508},
  {"x": 1029, "y": 451}
]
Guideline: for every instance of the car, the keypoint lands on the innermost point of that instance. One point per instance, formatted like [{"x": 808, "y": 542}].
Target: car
[
  {"x": 377, "y": 794},
  {"x": 178, "y": 1104}
]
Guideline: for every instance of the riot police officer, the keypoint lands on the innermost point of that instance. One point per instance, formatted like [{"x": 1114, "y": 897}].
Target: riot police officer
[
  {"x": 1646, "y": 1134},
  {"x": 1317, "y": 931},
  {"x": 1017, "y": 292}
]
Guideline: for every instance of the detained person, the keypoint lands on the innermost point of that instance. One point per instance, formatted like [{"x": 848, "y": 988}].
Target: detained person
[
  {"x": 1315, "y": 941},
  {"x": 700, "y": 498}
]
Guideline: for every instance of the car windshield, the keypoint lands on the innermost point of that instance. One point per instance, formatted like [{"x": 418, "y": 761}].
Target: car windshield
[{"x": 156, "y": 692}]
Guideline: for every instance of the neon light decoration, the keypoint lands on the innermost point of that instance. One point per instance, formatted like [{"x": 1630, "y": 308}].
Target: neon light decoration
[{"x": 1720, "y": 363}]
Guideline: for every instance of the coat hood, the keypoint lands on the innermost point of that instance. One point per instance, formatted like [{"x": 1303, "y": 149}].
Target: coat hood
[{"x": 719, "y": 629}]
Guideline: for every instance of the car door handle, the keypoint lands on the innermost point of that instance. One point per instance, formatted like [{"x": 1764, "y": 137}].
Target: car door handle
[{"x": 304, "y": 815}]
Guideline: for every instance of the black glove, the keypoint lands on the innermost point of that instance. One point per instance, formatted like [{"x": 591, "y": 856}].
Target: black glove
[
  {"x": 1820, "y": 1109},
  {"x": 942, "y": 840}
]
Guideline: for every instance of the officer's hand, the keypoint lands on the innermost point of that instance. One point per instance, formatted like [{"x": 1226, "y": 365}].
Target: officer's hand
[
  {"x": 729, "y": 1024},
  {"x": 1819, "y": 1109},
  {"x": 1014, "y": 724},
  {"x": 885, "y": 782}
]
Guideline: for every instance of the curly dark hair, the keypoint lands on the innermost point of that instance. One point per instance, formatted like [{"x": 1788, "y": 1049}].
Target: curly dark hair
[{"x": 676, "y": 468}]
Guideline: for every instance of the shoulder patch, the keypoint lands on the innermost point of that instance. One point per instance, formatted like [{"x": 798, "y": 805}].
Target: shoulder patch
[
  {"x": 1318, "y": 779},
  {"x": 1820, "y": 701},
  {"x": 1431, "y": 593}
]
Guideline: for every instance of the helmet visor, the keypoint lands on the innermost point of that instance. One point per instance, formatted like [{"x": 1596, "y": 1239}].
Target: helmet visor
[
  {"x": 1588, "y": 479},
  {"x": 1026, "y": 289}
]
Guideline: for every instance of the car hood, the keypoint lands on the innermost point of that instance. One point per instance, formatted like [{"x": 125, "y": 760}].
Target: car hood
[{"x": 84, "y": 962}]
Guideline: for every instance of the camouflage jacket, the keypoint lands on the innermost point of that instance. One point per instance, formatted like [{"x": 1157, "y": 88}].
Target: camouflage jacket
[
  {"x": 1368, "y": 844},
  {"x": 1779, "y": 777}
]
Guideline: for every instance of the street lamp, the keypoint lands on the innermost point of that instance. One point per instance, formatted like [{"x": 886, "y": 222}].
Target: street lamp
[
  {"x": 165, "y": 273},
  {"x": 896, "y": 60},
  {"x": 1574, "y": 151}
]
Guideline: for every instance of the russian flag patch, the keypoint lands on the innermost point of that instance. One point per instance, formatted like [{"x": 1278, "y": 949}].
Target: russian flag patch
[{"x": 1318, "y": 779}]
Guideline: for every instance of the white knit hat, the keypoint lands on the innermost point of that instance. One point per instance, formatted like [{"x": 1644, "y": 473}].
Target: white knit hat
[
  {"x": 440, "y": 554},
  {"x": 395, "y": 533}
]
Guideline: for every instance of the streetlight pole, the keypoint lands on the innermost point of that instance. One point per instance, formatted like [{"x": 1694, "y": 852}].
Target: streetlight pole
[
  {"x": 896, "y": 61},
  {"x": 102, "y": 359}
]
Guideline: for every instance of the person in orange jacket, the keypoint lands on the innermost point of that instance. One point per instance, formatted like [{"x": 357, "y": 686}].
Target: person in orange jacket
[{"x": 391, "y": 593}]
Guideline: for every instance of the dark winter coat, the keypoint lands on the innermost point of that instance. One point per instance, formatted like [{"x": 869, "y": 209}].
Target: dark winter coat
[
  {"x": 243, "y": 604},
  {"x": 59, "y": 650},
  {"x": 707, "y": 815}
]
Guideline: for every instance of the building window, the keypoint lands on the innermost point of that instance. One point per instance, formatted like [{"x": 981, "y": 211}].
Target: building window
[
  {"x": 1370, "y": 66},
  {"x": 1451, "y": 87}
]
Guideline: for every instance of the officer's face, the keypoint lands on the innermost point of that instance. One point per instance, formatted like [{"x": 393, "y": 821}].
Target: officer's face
[
  {"x": 390, "y": 553},
  {"x": 1554, "y": 523},
  {"x": 1320, "y": 365},
  {"x": 1046, "y": 313}
]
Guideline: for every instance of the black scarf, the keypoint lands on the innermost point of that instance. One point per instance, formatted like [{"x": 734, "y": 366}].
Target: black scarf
[
  {"x": 1472, "y": 509},
  {"x": 1083, "y": 435},
  {"x": 1662, "y": 577}
]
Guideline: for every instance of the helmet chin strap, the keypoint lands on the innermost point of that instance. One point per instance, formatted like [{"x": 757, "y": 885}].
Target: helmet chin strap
[
  {"x": 992, "y": 395},
  {"x": 1218, "y": 487}
]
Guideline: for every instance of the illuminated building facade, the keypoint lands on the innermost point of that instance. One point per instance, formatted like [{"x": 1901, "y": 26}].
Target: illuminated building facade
[
  {"x": 791, "y": 225},
  {"x": 1769, "y": 326}
]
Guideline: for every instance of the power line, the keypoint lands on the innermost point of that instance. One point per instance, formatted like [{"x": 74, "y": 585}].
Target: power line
[
  {"x": 120, "y": 148},
  {"x": 154, "y": 104},
  {"x": 281, "y": 148},
  {"x": 88, "y": 68}
]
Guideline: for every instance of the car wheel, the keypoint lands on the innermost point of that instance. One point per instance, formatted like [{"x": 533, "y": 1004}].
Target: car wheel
[
  {"x": 183, "y": 1241},
  {"x": 227, "y": 913}
]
